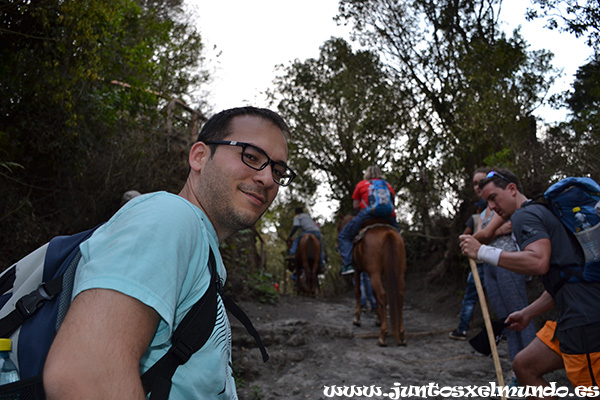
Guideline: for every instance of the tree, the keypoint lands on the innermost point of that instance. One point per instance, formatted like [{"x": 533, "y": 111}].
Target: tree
[
  {"x": 470, "y": 93},
  {"x": 575, "y": 144},
  {"x": 82, "y": 84},
  {"x": 578, "y": 17},
  {"x": 343, "y": 112}
]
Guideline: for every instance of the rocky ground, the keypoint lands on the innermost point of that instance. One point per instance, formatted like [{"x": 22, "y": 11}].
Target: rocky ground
[{"x": 313, "y": 345}]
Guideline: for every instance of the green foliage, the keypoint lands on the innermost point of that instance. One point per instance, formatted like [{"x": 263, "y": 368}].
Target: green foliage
[
  {"x": 262, "y": 285},
  {"x": 452, "y": 93},
  {"x": 82, "y": 86},
  {"x": 257, "y": 393},
  {"x": 469, "y": 92},
  {"x": 574, "y": 145},
  {"x": 341, "y": 108}
]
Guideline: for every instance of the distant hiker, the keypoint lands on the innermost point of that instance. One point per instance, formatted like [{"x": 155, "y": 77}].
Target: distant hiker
[
  {"x": 128, "y": 195},
  {"x": 469, "y": 301}
]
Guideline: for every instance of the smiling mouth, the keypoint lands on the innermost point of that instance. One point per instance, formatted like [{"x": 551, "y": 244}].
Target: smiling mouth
[{"x": 257, "y": 198}]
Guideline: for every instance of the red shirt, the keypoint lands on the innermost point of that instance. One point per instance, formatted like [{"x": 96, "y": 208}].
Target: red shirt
[{"x": 361, "y": 193}]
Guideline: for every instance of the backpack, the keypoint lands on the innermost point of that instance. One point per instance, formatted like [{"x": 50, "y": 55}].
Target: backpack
[
  {"x": 562, "y": 198},
  {"x": 380, "y": 198},
  {"x": 35, "y": 294}
]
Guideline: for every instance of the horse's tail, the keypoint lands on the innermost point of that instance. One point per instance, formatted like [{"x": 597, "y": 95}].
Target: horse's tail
[
  {"x": 394, "y": 260},
  {"x": 311, "y": 251}
]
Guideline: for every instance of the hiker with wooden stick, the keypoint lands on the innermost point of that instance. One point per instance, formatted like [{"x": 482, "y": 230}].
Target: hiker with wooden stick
[
  {"x": 546, "y": 248},
  {"x": 505, "y": 289}
]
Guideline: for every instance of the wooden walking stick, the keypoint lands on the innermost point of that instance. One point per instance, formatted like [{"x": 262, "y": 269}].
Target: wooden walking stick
[{"x": 488, "y": 323}]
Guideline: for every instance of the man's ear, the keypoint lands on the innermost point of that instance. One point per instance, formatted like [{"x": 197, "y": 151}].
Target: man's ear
[{"x": 199, "y": 155}]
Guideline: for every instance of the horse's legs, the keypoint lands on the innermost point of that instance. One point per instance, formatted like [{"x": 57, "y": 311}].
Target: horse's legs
[
  {"x": 401, "y": 283},
  {"x": 312, "y": 286},
  {"x": 312, "y": 265},
  {"x": 380, "y": 298},
  {"x": 357, "y": 310},
  {"x": 402, "y": 341},
  {"x": 299, "y": 276}
]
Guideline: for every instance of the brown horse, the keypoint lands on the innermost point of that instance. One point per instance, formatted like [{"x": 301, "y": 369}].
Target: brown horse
[
  {"x": 381, "y": 253},
  {"x": 308, "y": 256}
]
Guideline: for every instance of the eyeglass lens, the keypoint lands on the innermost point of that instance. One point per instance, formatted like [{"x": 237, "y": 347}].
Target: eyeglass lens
[{"x": 257, "y": 159}]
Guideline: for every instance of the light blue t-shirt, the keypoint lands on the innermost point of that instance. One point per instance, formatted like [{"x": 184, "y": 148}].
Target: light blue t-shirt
[{"x": 156, "y": 249}]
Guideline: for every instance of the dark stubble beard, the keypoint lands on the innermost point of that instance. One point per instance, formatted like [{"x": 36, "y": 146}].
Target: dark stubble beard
[{"x": 224, "y": 213}]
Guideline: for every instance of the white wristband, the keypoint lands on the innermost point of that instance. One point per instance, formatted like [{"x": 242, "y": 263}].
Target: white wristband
[{"x": 489, "y": 254}]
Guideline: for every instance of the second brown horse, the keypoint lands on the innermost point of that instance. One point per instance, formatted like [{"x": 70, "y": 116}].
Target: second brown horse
[
  {"x": 381, "y": 253},
  {"x": 308, "y": 257}
]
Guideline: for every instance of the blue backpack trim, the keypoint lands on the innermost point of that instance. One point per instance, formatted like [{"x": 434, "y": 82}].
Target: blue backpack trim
[
  {"x": 562, "y": 197},
  {"x": 62, "y": 254},
  {"x": 574, "y": 192}
]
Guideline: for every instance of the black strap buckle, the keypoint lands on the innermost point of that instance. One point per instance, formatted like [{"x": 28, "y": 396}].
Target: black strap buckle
[
  {"x": 182, "y": 351},
  {"x": 30, "y": 303}
]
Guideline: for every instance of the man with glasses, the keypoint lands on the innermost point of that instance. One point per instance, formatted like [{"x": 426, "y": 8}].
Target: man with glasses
[
  {"x": 145, "y": 268},
  {"x": 546, "y": 249}
]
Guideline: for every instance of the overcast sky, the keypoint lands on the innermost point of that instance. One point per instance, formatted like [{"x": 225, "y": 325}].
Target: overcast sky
[{"x": 252, "y": 37}]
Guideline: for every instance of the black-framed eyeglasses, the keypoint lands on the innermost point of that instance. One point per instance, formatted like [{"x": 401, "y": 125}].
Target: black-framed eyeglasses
[
  {"x": 492, "y": 174},
  {"x": 257, "y": 159}
]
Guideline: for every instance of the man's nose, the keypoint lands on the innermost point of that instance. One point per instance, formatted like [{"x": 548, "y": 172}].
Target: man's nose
[{"x": 265, "y": 176}]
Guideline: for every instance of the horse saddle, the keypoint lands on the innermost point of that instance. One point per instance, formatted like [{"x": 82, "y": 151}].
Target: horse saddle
[{"x": 370, "y": 224}]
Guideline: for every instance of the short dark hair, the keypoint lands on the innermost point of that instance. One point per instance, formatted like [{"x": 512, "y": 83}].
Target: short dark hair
[
  {"x": 298, "y": 210},
  {"x": 502, "y": 178},
  {"x": 217, "y": 126}
]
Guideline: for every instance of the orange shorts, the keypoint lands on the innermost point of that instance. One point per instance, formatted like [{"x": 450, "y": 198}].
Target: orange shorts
[
  {"x": 546, "y": 335},
  {"x": 582, "y": 369}
]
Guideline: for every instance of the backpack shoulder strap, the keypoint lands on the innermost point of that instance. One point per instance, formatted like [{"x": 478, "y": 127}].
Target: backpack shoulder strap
[
  {"x": 189, "y": 336},
  {"x": 241, "y": 316},
  {"x": 567, "y": 273},
  {"x": 27, "y": 305},
  {"x": 368, "y": 187},
  {"x": 192, "y": 333}
]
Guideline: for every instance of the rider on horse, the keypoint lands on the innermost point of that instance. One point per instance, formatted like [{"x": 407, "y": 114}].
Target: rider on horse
[
  {"x": 360, "y": 203},
  {"x": 306, "y": 224}
]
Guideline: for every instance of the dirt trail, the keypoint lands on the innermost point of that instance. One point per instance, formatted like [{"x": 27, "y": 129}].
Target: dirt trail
[{"x": 313, "y": 344}]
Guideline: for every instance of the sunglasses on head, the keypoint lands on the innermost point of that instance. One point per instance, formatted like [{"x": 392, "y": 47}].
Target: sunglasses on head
[{"x": 492, "y": 174}]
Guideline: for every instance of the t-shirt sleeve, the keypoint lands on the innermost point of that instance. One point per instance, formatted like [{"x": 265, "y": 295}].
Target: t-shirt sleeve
[
  {"x": 358, "y": 191},
  {"x": 470, "y": 223},
  {"x": 528, "y": 227},
  {"x": 149, "y": 255}
]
